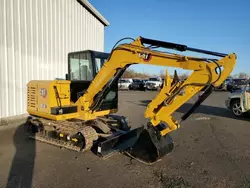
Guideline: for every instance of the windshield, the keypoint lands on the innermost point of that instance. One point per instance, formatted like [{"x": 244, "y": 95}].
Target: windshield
[
  {"x": 228, "y": 80},
  {"x": 81, "y": 67},
  {"x": 124, "y": 81},
  {"x": 240, "y": 81},
  {"x": 137, "y": 81},
  {"x": 247, "y": 88},
  {"x": 153, "y": 79}
]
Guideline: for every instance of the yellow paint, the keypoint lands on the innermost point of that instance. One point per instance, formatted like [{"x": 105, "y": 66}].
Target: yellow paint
[
  {"x": 74, "y": 140},
  {"x": 159, "y": 110},
  {"x": 53, "y": 117},
  {"x": 44, "y": 97}
]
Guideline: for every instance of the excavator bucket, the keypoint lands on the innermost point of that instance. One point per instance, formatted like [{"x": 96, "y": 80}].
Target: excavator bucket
[{"x": 150, "y": 147}]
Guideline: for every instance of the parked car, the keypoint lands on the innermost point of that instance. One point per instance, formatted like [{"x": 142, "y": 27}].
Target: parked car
[
  {"x": 228, "y": 81},
  {"x": 153, "y": 83},
  {"x": 123, "y": 84},
  {"x": 222, "y": 87},
  {"x": 236, "y": 84},
  {"x": 137, "y": 84},
  {"x": 238, "y": 101}
]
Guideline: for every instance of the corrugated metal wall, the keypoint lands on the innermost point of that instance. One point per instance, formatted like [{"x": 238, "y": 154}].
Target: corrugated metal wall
[{"x": 35, "y": 37}]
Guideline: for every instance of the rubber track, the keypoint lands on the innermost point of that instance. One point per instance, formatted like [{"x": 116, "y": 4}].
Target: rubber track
[
  {"x": 66, "y": 127},
  {"x": 55, "y": 142}
]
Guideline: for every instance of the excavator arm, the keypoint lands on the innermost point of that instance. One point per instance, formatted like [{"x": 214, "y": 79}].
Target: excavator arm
[
  {"x": 75, "y": 125},
  {"x": 207, "y": 72}
]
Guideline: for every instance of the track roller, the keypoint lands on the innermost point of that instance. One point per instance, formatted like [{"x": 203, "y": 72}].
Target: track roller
[{"x": 66, "y": 134}]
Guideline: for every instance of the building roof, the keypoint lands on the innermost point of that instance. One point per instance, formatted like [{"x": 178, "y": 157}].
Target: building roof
[{"x": 93, "y": 11}]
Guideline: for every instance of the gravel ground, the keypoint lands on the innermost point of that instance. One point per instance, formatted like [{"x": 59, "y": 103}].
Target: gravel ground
[{"x": 212, "y": 150}]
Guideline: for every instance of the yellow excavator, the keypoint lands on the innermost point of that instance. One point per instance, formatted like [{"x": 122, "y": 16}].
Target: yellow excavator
[{"x": 79, "y": 112}]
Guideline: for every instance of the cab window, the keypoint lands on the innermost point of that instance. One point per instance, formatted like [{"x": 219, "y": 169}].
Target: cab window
[{"x": 81, "y": 67}]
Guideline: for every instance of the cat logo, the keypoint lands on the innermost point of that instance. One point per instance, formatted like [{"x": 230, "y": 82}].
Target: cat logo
[
  {"x": 43, "y": 92},
  {"x": 145, "y": 56}
]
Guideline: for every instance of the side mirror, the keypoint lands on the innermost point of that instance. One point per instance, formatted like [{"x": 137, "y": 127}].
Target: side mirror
[{"x": 67, "y": 77}]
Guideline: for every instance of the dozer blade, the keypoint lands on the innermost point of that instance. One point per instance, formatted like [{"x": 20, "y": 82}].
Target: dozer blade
[
  {"x": 117, "y": 142},
  {"x": 150, "y": 147}
]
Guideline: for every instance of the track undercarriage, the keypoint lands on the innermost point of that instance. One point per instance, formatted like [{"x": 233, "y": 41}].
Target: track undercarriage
[
  {"x": 104, "y": 136},
  {"x": 67, "y": 134}
]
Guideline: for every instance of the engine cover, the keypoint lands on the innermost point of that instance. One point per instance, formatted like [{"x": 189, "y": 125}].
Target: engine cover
[{"x": 49, "y": 97}]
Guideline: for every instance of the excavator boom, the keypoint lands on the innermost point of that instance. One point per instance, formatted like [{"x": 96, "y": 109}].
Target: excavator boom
[
  {"x": 152, "y": 142},
  {"x": 206, "y": 72},
  {"x": 155, "y": 142}
]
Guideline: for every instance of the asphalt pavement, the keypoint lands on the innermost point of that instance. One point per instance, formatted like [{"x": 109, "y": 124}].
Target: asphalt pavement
[{"x": 212, "y": 149}]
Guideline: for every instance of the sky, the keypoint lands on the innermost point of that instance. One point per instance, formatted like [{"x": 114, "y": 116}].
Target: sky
[{"x": 215, "y": 25}]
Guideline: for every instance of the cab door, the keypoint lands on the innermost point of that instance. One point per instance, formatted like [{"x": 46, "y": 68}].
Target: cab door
[{"x": 110, "y": 100}]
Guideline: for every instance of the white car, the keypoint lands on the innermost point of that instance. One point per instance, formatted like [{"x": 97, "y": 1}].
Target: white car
[
  {"x": 153, "y": 83},
  {"x": 239, "y": 101},
  {"x": 123, "y": 84}
]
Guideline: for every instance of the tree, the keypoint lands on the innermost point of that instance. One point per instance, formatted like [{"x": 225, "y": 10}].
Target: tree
[
  {"x": 240, "y": 75},
  {"x": 129, "y": 73},
  {"x": 162, "y": 74},
  {"x": 183, "y": 76},
  {"x": 243, "y": 75}
]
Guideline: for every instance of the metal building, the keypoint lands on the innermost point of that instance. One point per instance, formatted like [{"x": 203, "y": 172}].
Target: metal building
[{"x": 35, "y": 38}]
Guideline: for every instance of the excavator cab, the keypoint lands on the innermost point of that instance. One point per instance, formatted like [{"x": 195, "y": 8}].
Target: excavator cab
[{"x": 83, "y": 66}]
